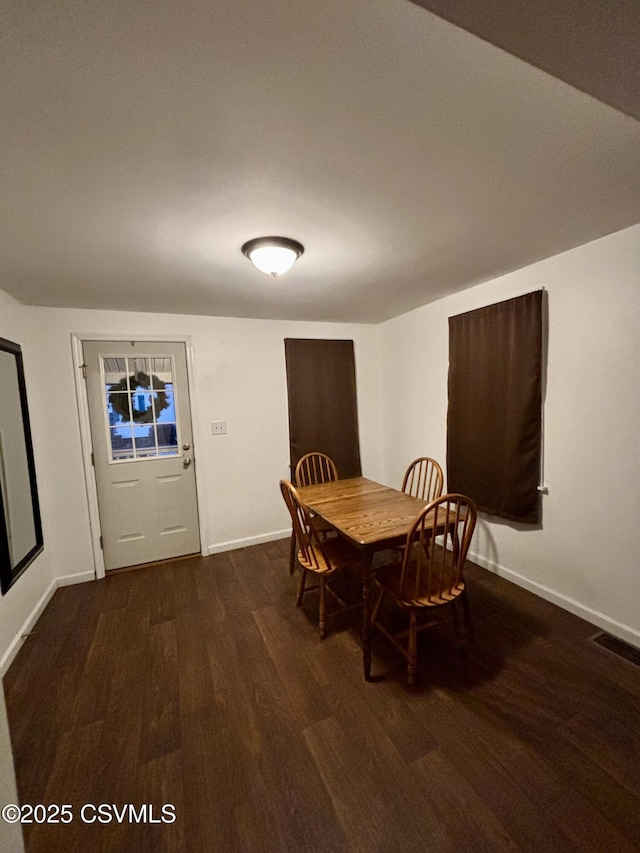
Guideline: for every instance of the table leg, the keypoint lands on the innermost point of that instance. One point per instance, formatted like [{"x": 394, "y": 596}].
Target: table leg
[{"x": 367, "y": 559}]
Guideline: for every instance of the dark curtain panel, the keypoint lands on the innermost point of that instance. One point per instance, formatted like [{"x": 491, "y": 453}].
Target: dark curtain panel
[
  {"x": 323, "y": 415},
  {"x": 494, "y": 423}
]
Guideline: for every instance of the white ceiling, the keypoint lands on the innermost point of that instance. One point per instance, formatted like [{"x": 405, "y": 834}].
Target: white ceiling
[{"x": 144, "y": 142}]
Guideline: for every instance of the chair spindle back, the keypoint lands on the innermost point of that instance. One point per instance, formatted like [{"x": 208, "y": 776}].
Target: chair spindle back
[
  {"x": 314, "y": 468},
  {"x": 423, "y": 479},
  {"x": 433, "y": 572},
  {"x": 304, "y": 531}
]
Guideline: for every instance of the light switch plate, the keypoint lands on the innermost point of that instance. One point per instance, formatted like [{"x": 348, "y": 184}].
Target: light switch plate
[{"x": 218, "y": 427}]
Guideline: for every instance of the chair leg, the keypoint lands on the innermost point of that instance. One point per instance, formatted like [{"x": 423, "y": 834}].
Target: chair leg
[
  {"x": 467, "y": 615},
  {"x": 412, "y": 654},
  {"x": 303, "y": 578},
  {"x": 345, "y": 582},
  {"x": 322, "y": 615},
  {"x": 460, "y": 632},
  {"x": 292, "y": 553},
  {"x": 376, "y": 607}
]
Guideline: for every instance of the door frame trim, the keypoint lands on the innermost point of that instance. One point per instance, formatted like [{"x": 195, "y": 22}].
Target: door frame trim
[{"x": 77, "y": 341}]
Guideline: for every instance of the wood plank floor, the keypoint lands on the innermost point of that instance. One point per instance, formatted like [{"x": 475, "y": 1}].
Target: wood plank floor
[{"x": 198, "y": 683}]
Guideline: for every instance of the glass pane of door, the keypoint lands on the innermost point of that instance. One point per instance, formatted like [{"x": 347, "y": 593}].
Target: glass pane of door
[{"x": 140, "y": 407}]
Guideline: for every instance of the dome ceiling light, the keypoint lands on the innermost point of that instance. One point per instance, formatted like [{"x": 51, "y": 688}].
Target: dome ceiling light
[{"x": 273, "y": 255}]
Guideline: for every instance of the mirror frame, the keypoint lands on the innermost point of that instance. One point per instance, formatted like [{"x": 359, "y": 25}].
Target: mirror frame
[{"x": 8, "y": 573}]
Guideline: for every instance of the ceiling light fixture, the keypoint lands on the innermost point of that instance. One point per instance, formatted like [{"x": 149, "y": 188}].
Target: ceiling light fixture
[{"x": 273, "y": 255}]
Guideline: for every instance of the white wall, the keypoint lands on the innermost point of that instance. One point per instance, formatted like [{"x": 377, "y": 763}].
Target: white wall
[
  {"x": 10, "y": 833},
  {"x": 22, "y": 603},
  {"x": 586, "y": 556}
]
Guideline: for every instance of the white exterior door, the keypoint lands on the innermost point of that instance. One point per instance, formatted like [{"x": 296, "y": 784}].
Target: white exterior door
[{"x": 142, "y": 450}]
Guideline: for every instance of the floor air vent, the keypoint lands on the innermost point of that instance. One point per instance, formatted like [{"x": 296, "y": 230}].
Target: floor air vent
[{"x": 617, "y": 647}]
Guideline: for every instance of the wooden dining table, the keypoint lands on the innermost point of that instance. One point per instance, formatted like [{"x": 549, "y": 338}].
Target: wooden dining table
[{"x": 370, "y": 516}]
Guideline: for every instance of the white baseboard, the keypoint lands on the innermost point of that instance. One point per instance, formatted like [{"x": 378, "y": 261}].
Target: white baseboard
[
  {"x": 604, "y": 622},
  {"x": 233, "y": 544},
  {"x": 32, "y": 618},
  {"x": 69, "y": 580}
]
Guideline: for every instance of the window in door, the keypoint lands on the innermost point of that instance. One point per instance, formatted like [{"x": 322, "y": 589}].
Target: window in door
[{"x": 140, "y": 408}]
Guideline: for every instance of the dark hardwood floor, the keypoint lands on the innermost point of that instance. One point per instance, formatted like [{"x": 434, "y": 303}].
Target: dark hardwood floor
[{"x": 199, "y": 684}]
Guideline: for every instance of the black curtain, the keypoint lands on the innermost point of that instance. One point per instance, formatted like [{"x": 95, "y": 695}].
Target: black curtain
[
  {"x": 323, "y": 412},
  {"x": 494, "y": 422}
]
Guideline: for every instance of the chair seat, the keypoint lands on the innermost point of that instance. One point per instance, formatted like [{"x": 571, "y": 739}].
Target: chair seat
[
  {"x": 429, "y": 593},
  {"x": 339, "y": 554}
]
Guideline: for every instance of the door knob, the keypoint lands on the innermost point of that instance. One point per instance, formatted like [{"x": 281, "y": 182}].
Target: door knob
[
  {"x": 186, "y": 447},
  {"x": 186, "y": 462}
]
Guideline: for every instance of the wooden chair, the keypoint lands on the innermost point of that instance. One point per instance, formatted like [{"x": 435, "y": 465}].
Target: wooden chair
[
  {"x": 312, "y": 468},
  {"x": 324, "y": 558},
  {"x": 431, "y": 575},
  {"x": 423, "y": 479}
]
